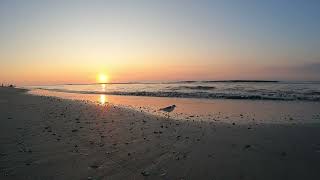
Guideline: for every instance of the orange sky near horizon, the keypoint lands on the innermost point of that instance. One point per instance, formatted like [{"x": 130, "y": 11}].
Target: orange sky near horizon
[{"x": 35, "y": 74}]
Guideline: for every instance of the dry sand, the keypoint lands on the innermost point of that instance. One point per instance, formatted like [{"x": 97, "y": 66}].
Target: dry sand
[{"x": 50, "y": 138}]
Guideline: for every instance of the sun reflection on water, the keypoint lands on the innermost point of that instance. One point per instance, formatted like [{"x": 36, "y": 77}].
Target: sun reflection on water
[
  {"x": 103, "y": 99},
  {"x": 103, "y": 87}
]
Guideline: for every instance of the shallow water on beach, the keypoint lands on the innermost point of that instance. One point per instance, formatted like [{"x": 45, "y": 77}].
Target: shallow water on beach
[{"x": 197, "y": 109}]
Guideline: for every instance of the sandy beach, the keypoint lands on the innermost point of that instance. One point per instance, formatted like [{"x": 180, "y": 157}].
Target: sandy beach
[{"x": 51, "y": 138}]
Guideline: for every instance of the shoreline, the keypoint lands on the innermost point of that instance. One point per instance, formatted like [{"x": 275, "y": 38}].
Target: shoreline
[
  {"x": 52, "y": 138},
  {"x": 222, "y": 110}
]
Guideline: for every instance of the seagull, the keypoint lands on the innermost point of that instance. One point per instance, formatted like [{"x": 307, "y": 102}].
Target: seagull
[{"x": 168, "y": 109}]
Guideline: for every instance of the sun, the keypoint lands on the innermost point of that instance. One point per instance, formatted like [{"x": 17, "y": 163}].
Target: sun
[{"x": 102, "y": 78}]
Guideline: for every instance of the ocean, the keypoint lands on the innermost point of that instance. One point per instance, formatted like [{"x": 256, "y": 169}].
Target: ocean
[
  {"x": 247, "y": 102},
  {"x": 248, "y": 90}
]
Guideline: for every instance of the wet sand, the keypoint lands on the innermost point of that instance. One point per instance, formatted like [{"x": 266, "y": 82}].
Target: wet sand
[
  {"x": 224, "y": 110},
  {"x": 51, "y": 138}
]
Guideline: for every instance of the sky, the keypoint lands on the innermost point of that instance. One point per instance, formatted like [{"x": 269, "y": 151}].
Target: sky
[{"x": 56, "y": 42}]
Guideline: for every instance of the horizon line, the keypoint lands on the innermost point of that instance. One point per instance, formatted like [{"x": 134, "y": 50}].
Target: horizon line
[{"x": 185, "y": 81}]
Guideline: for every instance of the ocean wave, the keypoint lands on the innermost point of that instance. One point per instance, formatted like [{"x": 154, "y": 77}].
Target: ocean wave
[
  {"x": 201, "y": 94},
  {"x": 317, "y": 93},
  {"x": 193, "y": 87},
  {"x": 229, "y": 81}
]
